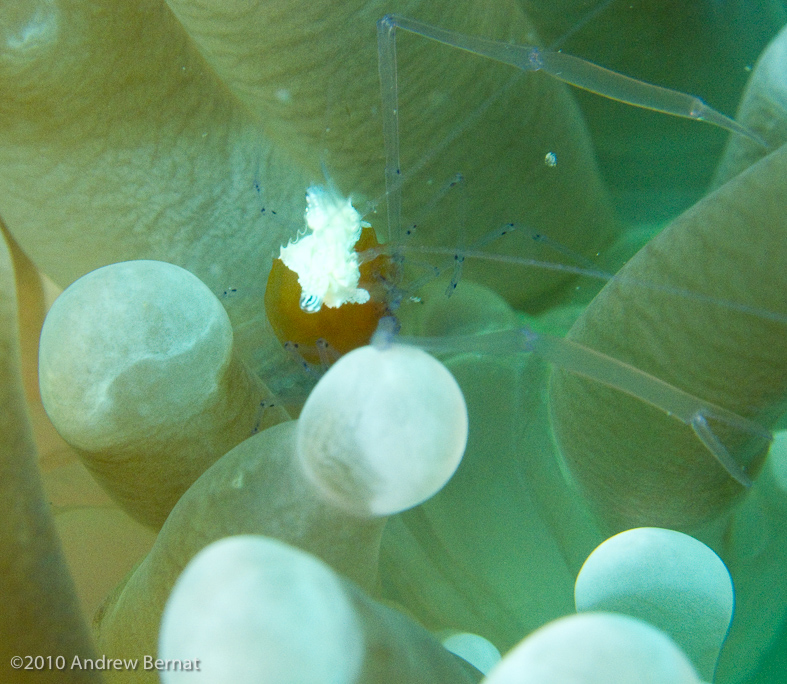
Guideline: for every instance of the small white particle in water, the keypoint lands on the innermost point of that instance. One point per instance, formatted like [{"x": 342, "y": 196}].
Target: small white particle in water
[
  {"x": 550, "y": 159},
  {"x": 284, "y": 95}
]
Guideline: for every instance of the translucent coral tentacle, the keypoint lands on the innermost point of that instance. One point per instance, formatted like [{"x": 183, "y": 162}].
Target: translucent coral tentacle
[{"x": 40, "y": 613}]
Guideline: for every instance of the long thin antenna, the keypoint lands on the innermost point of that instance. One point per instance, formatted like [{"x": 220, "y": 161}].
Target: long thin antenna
[
  {"x": 572, "y": 70},
  {"x": 577, "y": 358},
  {"x": 386, "y": 50}
]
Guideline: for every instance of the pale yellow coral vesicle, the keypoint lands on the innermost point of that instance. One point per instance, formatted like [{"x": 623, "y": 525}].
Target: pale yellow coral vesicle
[
  {"x": 595, "y": 648},
  {"x": 667, "y": 579},
  {"x": 118, "y": 142},
  {"x": 261, "y": 612},
  {"x": 283, "y": 483},
  {"x": 383, "y": 430},
  {"x": 87, "y": 522},
  {"x": 257, "y": 488},
  {"x": 139, "y": 373},
  {"x": 40, "y": 615},
  {"x": 479, "y": 652},
  {"x": 763, "y": 108},
  {"x": 701, "y": 307},
  {"x": 256, "y": 611}
]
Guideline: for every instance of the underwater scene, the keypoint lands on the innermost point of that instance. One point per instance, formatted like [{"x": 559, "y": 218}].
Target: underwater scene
[{"x": 393, "y": 341}]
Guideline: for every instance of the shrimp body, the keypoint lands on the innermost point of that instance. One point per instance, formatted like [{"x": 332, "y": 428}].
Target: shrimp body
[{"x": 318, "y": 289}]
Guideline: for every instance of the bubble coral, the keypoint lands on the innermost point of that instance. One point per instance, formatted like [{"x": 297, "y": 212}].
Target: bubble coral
[
  {"x": 265, "y": 627},
  {"x": 593, "y": 648},
  {"x": 187, "y": 132},
  {"x": 148, "y": 388},
  {"x": 323, "y": 483},
  {"x": 667, "y": 579}
]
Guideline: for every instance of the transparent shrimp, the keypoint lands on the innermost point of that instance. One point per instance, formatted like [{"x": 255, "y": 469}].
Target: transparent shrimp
[{"x": 692, "y": 411}]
